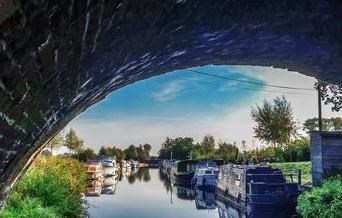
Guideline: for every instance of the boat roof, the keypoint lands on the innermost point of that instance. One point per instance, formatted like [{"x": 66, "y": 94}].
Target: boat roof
[
  {"x": 250, "y": 169},
  {"x": 204, "y": 164},
  {"x": 95, "y": 162}
]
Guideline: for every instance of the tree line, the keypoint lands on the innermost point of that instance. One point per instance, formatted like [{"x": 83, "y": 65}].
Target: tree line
[
  {"x": 275, "y": 126},
  {"x": 77, "y": 149}
]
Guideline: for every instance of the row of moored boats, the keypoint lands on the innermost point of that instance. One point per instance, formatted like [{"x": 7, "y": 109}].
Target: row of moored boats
[
  {"x": 103, "y": 174},
  {"x": 246, "y": 184}
]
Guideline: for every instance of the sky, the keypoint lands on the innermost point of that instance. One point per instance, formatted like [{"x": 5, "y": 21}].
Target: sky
[{"x": 184, "y": 103}]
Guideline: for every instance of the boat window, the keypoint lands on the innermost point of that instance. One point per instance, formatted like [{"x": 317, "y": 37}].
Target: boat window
[{"x": 208, "y": 172}]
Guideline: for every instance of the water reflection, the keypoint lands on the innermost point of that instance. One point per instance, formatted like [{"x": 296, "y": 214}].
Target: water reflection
[{"x": 148, "y": 193}]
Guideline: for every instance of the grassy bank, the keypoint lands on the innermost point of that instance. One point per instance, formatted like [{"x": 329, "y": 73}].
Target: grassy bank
[
  {"x": 291, "y": 166},
  {"x": 52, "y": 187},
  {"x": 322, "y": 202}
]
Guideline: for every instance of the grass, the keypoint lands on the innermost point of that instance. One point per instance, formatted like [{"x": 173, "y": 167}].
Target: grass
[
  {"x": 305, "y": 167},
  {"x": 52, "y": 187}
]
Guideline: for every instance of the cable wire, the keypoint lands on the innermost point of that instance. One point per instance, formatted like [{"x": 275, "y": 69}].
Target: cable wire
[{"x": 250, "y": 82}]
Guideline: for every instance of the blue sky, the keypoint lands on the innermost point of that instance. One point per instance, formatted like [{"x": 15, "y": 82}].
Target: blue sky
[
  {"x": 182, "y": 103},
  {"x": 180, "y": 93}
]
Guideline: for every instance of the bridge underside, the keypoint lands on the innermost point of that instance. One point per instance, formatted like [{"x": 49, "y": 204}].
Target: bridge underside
[{"x": 59, "y": 57}]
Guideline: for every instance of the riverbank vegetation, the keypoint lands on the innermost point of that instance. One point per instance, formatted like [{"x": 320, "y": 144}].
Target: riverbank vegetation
[
  {"x": 305, "y": 168},
  {"x": 52, "y": 187},
  {"x": 322, "y": 202}
]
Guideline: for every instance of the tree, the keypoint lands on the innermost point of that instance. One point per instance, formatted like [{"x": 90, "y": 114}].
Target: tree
[
  {"x": 55, "y": 142},
  {"x": 166, "y": 148},
  {"x": 131, "y": 153},
  {"x": 331, "y": 94},
  {"x": 112, "y": 151},
  {"x": 86, "y": 154},
  {"x": 208, "y": 144},
  {"x": 274, "y": 122},
  {"x": 328, "y": 124},
  {"x": 73, "y": 142},
  {"x": 180, "y": 148},
  {"x": 147, "y": 149},
  {"x": 228, "y": 152},
  {"x": 142, "y": 156}
]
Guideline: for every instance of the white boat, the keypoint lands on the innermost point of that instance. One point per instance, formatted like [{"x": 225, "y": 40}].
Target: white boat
[
  {"x": 110, "y": 171},
  {"x": 109, "y": 181},
  {"x": 108, "y": 161}
]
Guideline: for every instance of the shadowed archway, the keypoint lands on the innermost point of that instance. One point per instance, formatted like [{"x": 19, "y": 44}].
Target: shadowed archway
[{"x": 59, "y": 57}]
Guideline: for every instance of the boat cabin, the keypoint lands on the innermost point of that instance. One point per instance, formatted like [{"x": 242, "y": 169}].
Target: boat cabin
[{"x": 256, "y": 184}]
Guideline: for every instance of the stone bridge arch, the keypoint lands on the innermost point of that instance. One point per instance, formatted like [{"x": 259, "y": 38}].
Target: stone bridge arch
[{"x": 59, "y": 57}]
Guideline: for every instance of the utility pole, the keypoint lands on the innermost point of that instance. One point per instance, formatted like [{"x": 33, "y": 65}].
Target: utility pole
[{"x": 319, "y": 106}]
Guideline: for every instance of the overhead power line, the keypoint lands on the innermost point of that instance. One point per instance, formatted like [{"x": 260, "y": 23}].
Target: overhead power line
[
  {"x": 251, "y": 82},
  {"x": 239, "y": 87}
]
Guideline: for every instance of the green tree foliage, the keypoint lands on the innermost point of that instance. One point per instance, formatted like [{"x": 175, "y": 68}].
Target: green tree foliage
[
  {"x": 55, "y": 142},
  {"x": 113, "y": 151},
  {"x": 322, "y": 202},
  {"x": 207, "y": 145},
  {"x": 228, "y": 152},
  {"x": 274, "y": 121},
  {"x": 142, "y": 156},
  {"x": 52, "y": 187},
  {"x": 328, "y": 124},
  {"x": 131, "y": 153},
  {"x": 180, "y": 147},
  {"x": 147, "y": 149},
  {"x": 72, "y": 141},
  {"x": 296, "y": 150},
  {"x": 86, "y": 154}
]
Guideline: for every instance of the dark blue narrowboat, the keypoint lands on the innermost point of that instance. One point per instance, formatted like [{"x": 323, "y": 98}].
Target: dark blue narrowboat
[
  {"x": 205, "y": 176},
  {"x": 257, "y": 185}
]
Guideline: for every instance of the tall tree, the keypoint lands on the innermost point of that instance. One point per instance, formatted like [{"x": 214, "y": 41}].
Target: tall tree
[
  {"x": 72, "y": 141},
  {"x": 228, "y": 152},
  {"x": 208, "y": 144},
  {"x": 147, "y": 149},
  {"x": 131, "y": 153},
  {"x": 55, "y": 142},
  {"x": 274, "y": 121},
  {"x": 180, "y": 148}
]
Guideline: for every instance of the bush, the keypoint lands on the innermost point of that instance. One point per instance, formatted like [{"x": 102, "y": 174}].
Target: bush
[
  {"x": 322, "y": 202},
  {"x": 53, "y": 185}
]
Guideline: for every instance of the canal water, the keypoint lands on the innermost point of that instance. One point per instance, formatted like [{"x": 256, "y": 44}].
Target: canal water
[{"x": 146, "y": 193}]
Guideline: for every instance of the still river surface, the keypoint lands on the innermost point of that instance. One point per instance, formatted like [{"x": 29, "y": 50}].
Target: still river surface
[{"x": 146, "y": 193}]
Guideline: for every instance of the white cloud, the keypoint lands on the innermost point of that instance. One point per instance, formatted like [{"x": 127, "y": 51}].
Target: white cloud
[
  {"x": 234, "y": 124},
  {"x": 170, "y": 91}
]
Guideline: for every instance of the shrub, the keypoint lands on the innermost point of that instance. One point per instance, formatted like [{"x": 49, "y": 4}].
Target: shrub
[
  {"x": 52, "y": 185},
  {"x": 322, "y": 202}
]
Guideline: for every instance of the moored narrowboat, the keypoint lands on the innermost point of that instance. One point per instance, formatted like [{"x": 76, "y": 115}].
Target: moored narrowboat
[
  {"x": 205, "y": 176},
  {"x": 257, "y": 185},
  {"x": 183, "y": 171}
]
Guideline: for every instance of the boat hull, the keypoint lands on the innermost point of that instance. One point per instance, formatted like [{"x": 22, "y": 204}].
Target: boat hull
[
  {"x": 273, "y": 194},
  {"x": 183, "y": 179},
  {"x": 207, "y": 182}
]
